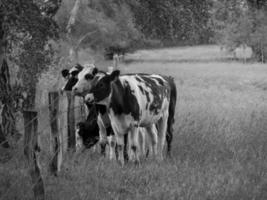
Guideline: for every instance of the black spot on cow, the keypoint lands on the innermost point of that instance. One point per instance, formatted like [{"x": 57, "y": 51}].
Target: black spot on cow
[
  {"x": 128, "y": 103},
  {"x": 71, "y": 82},
  {"x": 89, "y": 130},
  {"x": 141, "y": 89},
  {"x": 160, "y": 81},
  {"x": 158, "y": 93},
  {"x": 138, "y": 79},
  {"x": 88, "y": 133},
  {"x": 102, "y": 109},
  {"x": 147, "y": 96}
]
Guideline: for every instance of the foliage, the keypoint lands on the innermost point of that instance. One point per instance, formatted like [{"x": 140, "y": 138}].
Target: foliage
[
  {"x": 176, "y": 22},
  {"x": 97, "y": 24},
  {"x": 241, "y": 23},
  {"x": 27, "y": 30}
]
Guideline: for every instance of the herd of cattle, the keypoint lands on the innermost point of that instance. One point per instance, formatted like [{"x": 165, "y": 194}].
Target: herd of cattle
[{"x": 132, "y": 113}]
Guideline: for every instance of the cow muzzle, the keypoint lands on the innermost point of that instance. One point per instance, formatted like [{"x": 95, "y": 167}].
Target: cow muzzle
[
  {"x": 89, "y": 98},
  {"x": 76, "y": 91}
]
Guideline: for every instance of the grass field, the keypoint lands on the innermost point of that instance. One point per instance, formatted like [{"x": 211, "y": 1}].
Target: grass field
[{"x": 219, "y": 147}]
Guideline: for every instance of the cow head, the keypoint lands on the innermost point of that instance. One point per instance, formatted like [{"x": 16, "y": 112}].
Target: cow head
[
  {"x": 71, "y": 76},
  {"x": 86, "y": 78},
  {"x": 86, "y": 135},
  {"x": 101, "y": 88}
]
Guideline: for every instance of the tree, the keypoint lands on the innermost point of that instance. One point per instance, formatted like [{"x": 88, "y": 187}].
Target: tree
[
  {"x": 25, "y": 30},
  {"x": 28, "y": 26},
  {"x": 174, "y": 21},
  {"x": 242, "y": 23}
]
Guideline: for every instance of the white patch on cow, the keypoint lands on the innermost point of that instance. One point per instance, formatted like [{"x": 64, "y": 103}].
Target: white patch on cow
[
  {"x": 102, "y": 130},
  {"x": 84, "y": 85},
  {"x": 121, "y": 123},
  {"x": 112, "y": 144},
  {"x": 89, "y": 98},
  {"x": 79, "y": 142},
  {"x": 73, "y": 69}
]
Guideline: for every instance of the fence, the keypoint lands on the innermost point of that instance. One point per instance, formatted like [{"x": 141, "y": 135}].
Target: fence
[
  {"x": 62, "y": 135},
  {"x": 62, "y": 138}
]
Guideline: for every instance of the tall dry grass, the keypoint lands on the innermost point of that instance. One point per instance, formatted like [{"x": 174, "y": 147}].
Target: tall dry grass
[{"x": 219, "y": 147}]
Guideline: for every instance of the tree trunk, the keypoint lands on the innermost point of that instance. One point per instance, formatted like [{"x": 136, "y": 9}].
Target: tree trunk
[
  {"x": 3, "y": 141},
  {"x": 73, "y": 15},
  {"x": 8, "y": 121}
]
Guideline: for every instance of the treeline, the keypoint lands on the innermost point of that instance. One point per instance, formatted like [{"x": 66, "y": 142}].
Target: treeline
[
  {"x": 241, "y": 23},
  {"x": 132, "y": 24},
  {"x": 174, "y": 22}
]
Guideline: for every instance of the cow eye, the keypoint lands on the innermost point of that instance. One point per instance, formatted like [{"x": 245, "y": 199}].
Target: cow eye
[{"x": 88, "y": 76}]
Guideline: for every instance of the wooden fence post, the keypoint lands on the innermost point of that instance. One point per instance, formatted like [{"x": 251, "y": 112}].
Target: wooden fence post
[
  {"x": 71, "y": 120},
  {"x": 53, "y": 99},
  {"x": 31, "y": 147}
]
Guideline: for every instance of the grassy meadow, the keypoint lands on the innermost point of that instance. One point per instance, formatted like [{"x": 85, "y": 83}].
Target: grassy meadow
[{"x": 219, "y": 146}]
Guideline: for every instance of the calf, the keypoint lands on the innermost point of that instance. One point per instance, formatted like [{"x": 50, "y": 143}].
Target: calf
[
  {"x": 133, "y": 101},
  {"x": 87, "y": 132}
]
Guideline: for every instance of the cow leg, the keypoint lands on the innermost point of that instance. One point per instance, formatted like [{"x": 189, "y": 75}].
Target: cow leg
[
  {"x": 142, "y": 140},
  {"x": 162, "y": 129},
  {"x": 112, "y": 146},
  {"x": 134, "y": 142},
  {"x": 102, "y": 135},
  {"x": 126, "y": 158},
  {"x": 153, "y": 140},
  {"x": 120, "y": 147},
  {"x": 130, "y": 143}
]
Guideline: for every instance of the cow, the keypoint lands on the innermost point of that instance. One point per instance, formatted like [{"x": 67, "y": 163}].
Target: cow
[
  {"x": 106, "y": 136},
  {"x": 133, "y": 101},
  {"x": 99, "y": 112},
  {"x": 87, "y": 133}
]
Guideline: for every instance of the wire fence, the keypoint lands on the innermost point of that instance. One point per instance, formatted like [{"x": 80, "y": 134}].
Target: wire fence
[{"x": 40, "y": 133}]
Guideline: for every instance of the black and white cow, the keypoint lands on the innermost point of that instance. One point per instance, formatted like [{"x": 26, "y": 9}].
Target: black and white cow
[
  {"x": 97, "y": 127},
  {"x": 133, "y": 101},
  {"x": 101, "y": 125}
]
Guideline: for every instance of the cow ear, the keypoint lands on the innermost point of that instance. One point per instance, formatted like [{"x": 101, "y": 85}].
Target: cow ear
[
  {"x": 95, "y": 71},
  {"x": 65, "y": 73},
  {"x": 115, "y": 74}
]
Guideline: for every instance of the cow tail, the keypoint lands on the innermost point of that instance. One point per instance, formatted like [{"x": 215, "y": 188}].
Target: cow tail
[{"x": 170, "y": 122}]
